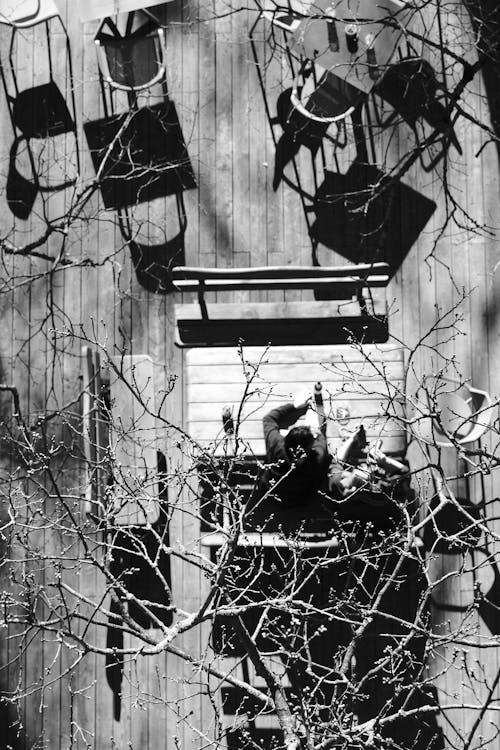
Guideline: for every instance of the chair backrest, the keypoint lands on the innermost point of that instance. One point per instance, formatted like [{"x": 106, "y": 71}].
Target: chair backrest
[
  {"x": 409, "y": 86},
  {"x": 327, "y": 101},
  {"x": 332, "y": 97},
  {"x": 465, "y": 413},
  {"x": 19, "y": 11}
]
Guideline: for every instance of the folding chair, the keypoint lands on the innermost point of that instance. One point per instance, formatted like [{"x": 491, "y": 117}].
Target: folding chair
[
  {"x": 327, "y": 100},
  {"x": 465, "y": 413},
  {"x": 39, "y": 112},
  {"x": 411, "y": 87},
  {"x": 132, "y": 60}
]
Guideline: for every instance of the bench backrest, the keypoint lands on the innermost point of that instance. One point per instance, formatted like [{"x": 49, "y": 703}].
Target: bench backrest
[{"x": 344, "y": 279}]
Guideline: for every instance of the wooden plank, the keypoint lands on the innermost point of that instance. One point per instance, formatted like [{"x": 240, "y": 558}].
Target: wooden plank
[
  {"x": 340, "y": 286},
  {"x": 262, "y": 393},
  {"x": 363, "y": 270},
  {"x": 251, "y": 429},
  {"x": 295, "y": 355},
  {"x": 266, "y": 310},
  {"x": 361, "y": 371},
  {"x": 89, "y": 10},
  {"x": 355, "y": 409},
  {"x": 276, "y": 541},
  {"x": 256, "y": 447}
]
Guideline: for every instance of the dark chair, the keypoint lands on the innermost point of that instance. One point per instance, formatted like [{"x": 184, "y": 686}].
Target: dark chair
[
  {"x": 412, "y": 89},
  {"x": 329, "y": 99},
  {"x": 297, "y": 131},
  {"x": 39, "y": 112},
  {"x": 153, "y": 264},
  {"x": 308, "y": 110}
]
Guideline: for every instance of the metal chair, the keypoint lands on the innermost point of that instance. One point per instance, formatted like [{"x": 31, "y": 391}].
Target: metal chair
[
  {"x": 463, "y": 413},
  {"x": 37, "y": 112},
  {"x": 411, "y": 87},
  {"x": 24, "y": 13},
  {"x": 329, "y": 100},
  {"x": 131, "y": 61}
]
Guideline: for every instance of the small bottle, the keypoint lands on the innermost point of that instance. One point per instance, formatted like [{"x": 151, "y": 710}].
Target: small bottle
[
  {"x": 318, "y": 394},
  {"x": 371, "y": 57},
  {"x": 333, "y": 39},
  {"x": 351, "y": 35}
]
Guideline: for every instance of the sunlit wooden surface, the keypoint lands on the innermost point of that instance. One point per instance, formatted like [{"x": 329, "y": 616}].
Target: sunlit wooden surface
[
  {"x": 235, "y": 219},
  {"x": 355, "y": 391}
]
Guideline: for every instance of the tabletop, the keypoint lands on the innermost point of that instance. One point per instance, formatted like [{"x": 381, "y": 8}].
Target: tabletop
[
  {"x": 91, "y": 9},
  {"x": 358, "y": 388},
  {"x": 324, "y": 39}
]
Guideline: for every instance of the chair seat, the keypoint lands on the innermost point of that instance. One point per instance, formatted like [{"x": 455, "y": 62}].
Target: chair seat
[
  {"x": 409, "y": 86},
  {"x": 332, "y": 97},
  {"x": 132, "y": 61},
  {"x": 456, "y": 415},
  {"x": 41, "y": 111},
  {"x": 25, "y": 13}
]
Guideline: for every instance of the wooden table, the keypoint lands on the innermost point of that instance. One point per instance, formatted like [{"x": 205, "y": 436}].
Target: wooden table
[
  {"x": 311, "y": 38},
  {"x": 89, "y": 10},
  {"x": 355, "y": 391}
]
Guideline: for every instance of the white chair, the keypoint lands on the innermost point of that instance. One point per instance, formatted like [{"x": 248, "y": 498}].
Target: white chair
[
  {"x": 327, "y": 100},
  {"x": 463, "y": 413},
  {"x": 25, "y": 13},
  {"x": 286, "y": 19},
  {"x": 131, "y": 61}
]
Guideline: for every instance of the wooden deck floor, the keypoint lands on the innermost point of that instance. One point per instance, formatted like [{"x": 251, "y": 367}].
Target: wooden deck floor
[{"x": 236, "y": 219}]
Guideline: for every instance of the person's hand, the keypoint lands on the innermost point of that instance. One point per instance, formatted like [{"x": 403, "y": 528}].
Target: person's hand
[{"x": 303, "y": 400}]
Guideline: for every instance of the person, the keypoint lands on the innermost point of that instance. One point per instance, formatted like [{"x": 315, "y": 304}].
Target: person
[
  {"x": 365, "y": 484},
  {"x": 296, "y": 464}
]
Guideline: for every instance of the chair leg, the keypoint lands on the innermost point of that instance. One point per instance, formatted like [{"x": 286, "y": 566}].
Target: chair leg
[
  {"x": 428, "y": 166},
  {"x": 382, "y": 122}
]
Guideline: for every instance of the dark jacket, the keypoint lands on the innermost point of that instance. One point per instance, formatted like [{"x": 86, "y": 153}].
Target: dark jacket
[{"x": 287, "y": 484}]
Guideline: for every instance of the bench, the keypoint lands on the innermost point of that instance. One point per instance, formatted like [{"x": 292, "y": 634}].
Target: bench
[{"x": 348, "y": 311}]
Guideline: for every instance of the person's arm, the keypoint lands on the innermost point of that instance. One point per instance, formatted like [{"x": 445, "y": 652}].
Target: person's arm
[{"x": 279, "y": 419}]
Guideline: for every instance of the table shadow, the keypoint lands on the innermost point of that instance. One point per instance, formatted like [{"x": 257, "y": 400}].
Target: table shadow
[
  {"x": 142, "y": 155},
  {"x": 386, "y": 231}
]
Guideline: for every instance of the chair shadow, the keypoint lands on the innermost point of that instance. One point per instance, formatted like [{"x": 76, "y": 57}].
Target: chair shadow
[
  {"x": 153, "y": 264},
  {"x": 297, "y": 131},
  {"x": 363, "y": 223},
  {"x": 485, "y": 17},
  {"x": 419, "y": 732},
  {"x": 140, "y": 564},
  {"x": 39, "y": 112},
  {"x": 411, "y": 87}
]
